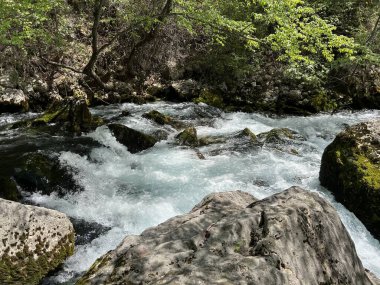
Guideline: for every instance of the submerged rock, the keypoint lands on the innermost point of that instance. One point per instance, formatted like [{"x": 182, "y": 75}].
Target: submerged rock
[
  {"x": 294, "y": 237},
  {"x": 134, "y": 140},
  {"x": 351, "y": 170},
  {"x": 13, "y": 100},
  {"x": 39, "y": 172},
  {"x": 244, "y": 136},
  {"x": 188, "y": 137},
  {"x": 8, "y": 189},
  {"x": 34, "y": 241}
]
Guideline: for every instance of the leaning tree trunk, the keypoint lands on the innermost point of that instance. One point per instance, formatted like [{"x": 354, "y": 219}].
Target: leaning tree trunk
[{"x": 90, "y": 68}]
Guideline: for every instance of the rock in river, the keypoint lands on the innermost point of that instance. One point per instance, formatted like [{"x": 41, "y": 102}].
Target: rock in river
[
  {"x": 34, "y": 241},
  {"x": 351, "y": 170},
  {"x": 71, "y": 115},
  {"x": 294, "y": 237},
  {"x": 134, "y": 140},
  {"x": 188, "y": 137}
]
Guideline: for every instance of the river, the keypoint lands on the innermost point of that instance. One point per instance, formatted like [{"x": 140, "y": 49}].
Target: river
[{"x": 125, "y": 193}]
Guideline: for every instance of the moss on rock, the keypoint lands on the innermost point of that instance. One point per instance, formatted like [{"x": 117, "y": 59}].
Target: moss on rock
[
  {"x": 35, "y": 241},
  {"x": 210, "y": 98},
  {"x": 188, "y": 137},
  {"x": 70, "y": 115},
  {"x": 351, "y": 170},
  {"x": 159, "y": 118},
  {"x": 40, "y": 172},
  {"x": 248, "y": 133}
]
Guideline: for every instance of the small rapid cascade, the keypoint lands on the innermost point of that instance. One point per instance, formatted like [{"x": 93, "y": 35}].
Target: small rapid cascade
[{"x": 126, "y": 193}]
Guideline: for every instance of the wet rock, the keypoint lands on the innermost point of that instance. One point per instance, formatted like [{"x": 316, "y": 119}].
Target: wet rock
[
  {"x": 134, "y": 140},
  {"x": 351, "y": 170},
  {"x": 159, "y": 118},
  {"x": 34, "y": 241},
  {"x": 85, "y": 232},
  {"x": 294, "y": 237},
  {"x": 162, "y": 119},
  {"x": 160, "y": 135},
  {"x": 69, "y": 115},
  {"x": 241, "y": 141},
  {"x": 200, "y": 155},
  {"x": 248, "y": 134},
  {"x": 125, "y": 113},
  {"x": 13, "y": 100},
  {"x": 42, "y": 173},
  {"x": 188, "y": 137},
  {"x": 279, "y": 136},
  {"x": 8, "y": 189},
  {"x": 209, "y": 140}
]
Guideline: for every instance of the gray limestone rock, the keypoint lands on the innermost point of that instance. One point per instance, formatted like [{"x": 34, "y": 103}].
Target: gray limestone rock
[
  {"x": 294, "y": 237},
  {"x": 34, "y": 241}
]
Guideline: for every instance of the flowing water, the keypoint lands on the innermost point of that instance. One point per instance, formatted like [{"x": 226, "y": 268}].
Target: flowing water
[{"x": 126, "y": 193}]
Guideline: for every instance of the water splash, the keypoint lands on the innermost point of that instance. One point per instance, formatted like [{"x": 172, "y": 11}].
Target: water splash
[{"x": 130, "y": 192}]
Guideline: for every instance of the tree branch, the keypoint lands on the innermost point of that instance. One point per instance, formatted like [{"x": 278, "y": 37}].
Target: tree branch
[{"x": 61, "y": 65}]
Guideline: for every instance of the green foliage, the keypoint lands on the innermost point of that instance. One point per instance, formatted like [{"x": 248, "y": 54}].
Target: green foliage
[
  {"x": 295, "y": 31},
  {"x": 23, "y": 21}
]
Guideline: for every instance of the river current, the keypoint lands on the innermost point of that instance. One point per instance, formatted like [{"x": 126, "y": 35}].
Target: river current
[{"x": 126, "y": 193}]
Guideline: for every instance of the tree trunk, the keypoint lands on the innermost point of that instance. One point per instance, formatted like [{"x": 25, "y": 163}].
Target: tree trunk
[{"x": 90, "y": 68}]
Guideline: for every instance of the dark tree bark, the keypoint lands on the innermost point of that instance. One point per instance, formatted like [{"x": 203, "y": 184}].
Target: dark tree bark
[{"x": 90, "y": 68}]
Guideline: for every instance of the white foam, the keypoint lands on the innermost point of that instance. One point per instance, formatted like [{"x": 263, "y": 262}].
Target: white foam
[{"x": 130, "y": 192}]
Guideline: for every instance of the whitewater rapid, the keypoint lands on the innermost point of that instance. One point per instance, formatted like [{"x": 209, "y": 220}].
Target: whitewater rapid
[{"x": 130, "y": 192}]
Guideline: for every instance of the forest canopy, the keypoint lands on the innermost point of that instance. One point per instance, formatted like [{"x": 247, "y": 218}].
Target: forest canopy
[{"x": 116, "y": 40}]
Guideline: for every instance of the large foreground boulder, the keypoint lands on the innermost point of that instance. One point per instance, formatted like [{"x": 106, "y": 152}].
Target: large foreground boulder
[
  {"x": 34, "y": 241},
  {"x": 134, "y": 140},
  {"x": 351, "y": 170},
  {"x": 294, "y": 237}
]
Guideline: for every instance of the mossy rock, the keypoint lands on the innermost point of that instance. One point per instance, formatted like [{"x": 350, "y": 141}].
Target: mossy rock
[
  {"x": 162, "y": 119},
  {"x": 246, "y": 135},
  {"x": 351, "y": 170},
  {"x": 134, "y": 140},
  {"x": 211, "y": 98},
  {"x": 34, "y": 240},
  {"x": 209, "y": 140},
  {"x": 279, "y": 136},
  {"x": 71, "y": 115},
  {"x": 159, "y": 118},
  {"x": 249, "y": 134},
  {"x": 42, "y": 173},
  {"x": 188, "y": 137}
]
